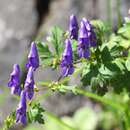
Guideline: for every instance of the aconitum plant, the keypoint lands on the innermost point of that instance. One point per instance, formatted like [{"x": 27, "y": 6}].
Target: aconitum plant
[
  {"x": 90, "y": 50},
  {"x": 33, "y": 59},
  {"x": 83, "y": 41},
  {"x": 28, "y": 89},
  {"x": 67, "y": 59},
  {"x": 29, "y": 84},
  {"x": 21, "y": 109},
  {"x": 73, "y": 27},
  {"x": 14, "y": 81}
]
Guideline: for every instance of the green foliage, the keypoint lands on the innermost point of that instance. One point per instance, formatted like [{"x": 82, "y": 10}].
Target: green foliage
[
  {"x": 35, "y": 114},
  {"x": 50, "y": 51},
  {"x": 9, "y": 121},
  {"x": 125, "y": 30},
  {"x": 105, "y": 72},
  {"x": 111, "y": 65},
  {"x": 44, "y": 53},
  {"x": 55, "y": 39}
]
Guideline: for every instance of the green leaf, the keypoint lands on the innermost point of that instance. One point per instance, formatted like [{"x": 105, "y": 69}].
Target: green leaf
[
  {"x": 56, "y": 39},
  {"x": 74, "y": 45},
  {"x": 88, "y": 73},
  {"x": 128, "y": 63},
  {"x": 125, "y": 43},
  {"x": 109, "y": 70},
  {"x": 105, "y": 55},
  {"x": 120, "y": 63},
  {"x": 9, "y": 121},
  {"x": 44, "y": 53},
  {"x": 125, "y": 30},
  {"x": 99, "y": 25},
  {"x": 35, "y": 114},
  {"x": 127, "y": 20},
  {"x": 116, "y": 50}
]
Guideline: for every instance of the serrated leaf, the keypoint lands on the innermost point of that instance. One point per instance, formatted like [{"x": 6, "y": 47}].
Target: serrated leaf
[
  {"x": 99, "y": 25},
  {"x": 55, "y": 39},
  {"x": 88, "y": 74},
  {"x": 44, "y": 53},
  {"x": 106, "y": 72},
  {"x": 120, "y": 63},
  {"x": 9, "y": 121},
  {"x": 105, "y": 55},
  {"x": 43, "y": 48},
  {"x": 36, "y": 114},
  {"x": 125, "y": 43},
  {"x": 125, "y": 31},
  {"x": 127, "y": 64}
]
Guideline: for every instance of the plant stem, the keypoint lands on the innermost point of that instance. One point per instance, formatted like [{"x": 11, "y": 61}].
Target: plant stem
[
  {"x": 59, "y": 121},
  {"x": 100, "y": 98}
]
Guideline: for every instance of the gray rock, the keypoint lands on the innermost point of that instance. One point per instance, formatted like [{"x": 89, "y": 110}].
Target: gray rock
[
  {"x": 18, "y": 21},
  {"x": 60, "y": 10}
]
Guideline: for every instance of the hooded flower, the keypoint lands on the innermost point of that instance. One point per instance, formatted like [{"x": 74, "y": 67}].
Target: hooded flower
[
  {"x": 73, "y": 27},
  {"x": 91, "y": 33},
  {"x": 83, "y": 41},
  {"x": 21, "y": 109},
  {"x": 33, "y": 59},
  {"x": 67, "y": 59},
  {"x": 14, "y": 81},
  {"x": 29, "y": 84}
]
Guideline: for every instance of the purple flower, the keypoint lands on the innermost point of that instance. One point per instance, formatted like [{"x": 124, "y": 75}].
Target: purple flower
[
  {"x": 67, "y": 59},
  {"x": 83, "y": 41},
  {"x": 91, "y": 33},
  {"x": 29, "y": 84},
  {"x": 14, "y": 81},
  {"x": 93, "y": 39},
  {"x": 87, "y": 24},
  {"x": 21, "y": 109},
  {"x": 33, "y": 59},
  {"x": 73, "y": 27}
]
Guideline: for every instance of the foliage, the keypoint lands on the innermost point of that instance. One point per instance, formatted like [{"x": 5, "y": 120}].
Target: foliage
[
  {"x": 35, "y": 114},
  {"x": 104, "y": 77}
]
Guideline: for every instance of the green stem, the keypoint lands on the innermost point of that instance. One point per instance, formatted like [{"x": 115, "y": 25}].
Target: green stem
[
  {"x": 99, "y": 98},
  {"x": 103, "y": 100},
  {"x": 59, "y": 121}
]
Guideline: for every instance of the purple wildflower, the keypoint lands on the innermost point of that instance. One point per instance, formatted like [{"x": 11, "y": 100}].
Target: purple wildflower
[
  {"x": 73, "y": 27},
  {"x": 29, "y": 84},
  {"x": 33, "y": 59},
  {"x": 91, "y": 33},
  {"x": 83, "y": 41},
  {"x": 67, "y": 59},
  {"x": 14, "y": 81},
  {"x": 93, "y": 41},
  {"x": 21, "y": 109}
]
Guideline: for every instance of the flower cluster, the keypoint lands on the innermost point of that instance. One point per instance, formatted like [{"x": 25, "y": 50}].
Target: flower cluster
[
  {"x": 14, "y": 82},
  {"x": 28, "y": 89},
  {"x": 73, "y": 27},
  {"x": 67, "y": 59},
  {"x": 85, "y": 37}
]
